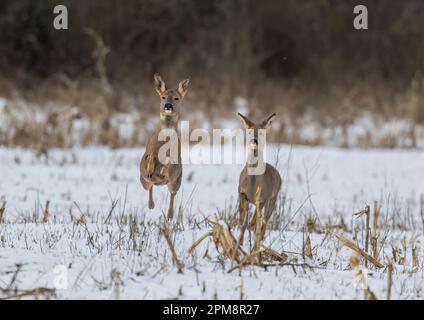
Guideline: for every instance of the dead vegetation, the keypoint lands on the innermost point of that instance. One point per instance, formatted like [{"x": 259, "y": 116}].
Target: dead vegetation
[
  {"x": 177, "y": 262},
  {"x": 62, "y": 112},
  {"x": 348, "y": 243},
  {"x": 2, "y": 210},
  {"x": 107, "y": 72},
  {"x": 131, "y": 233},
  {"x": 13, "y": 292},
  {"x": 36, "y": 293}
]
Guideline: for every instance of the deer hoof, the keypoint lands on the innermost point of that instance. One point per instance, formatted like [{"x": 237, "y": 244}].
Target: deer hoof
[
  {"x": 170, "y": 214},
  {"x": 151, "y": 204}
]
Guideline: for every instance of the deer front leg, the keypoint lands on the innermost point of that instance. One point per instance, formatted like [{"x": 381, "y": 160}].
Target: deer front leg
[
  {"x": 171, "y": 207},
  {"x": 151, "y": 202},
  {"x": 146, "y": 170},
  {"x": 148, "y": 185},
  {"x": 243, "y": 209}
]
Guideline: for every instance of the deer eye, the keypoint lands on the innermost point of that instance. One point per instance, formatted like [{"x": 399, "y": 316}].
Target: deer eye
[
  {"x": 163, "y": 98},
  {"x": 176, "y": 98}
]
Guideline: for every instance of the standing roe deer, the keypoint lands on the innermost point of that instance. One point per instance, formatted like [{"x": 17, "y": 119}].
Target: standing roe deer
[
  {"x": 259, "y": 189},
  {"x": 156, "y": 171}
]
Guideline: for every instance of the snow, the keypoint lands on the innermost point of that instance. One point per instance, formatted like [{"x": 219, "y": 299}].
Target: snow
[{"x": 328, "y": 182}]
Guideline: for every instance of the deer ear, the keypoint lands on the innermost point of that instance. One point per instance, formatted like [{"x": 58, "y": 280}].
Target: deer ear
[
  {"x": 247, "y": 123},
  {"x": 183, "y": 87},
  {"x": 268, "y": 121},
  {"x": 159, "y": 84}
]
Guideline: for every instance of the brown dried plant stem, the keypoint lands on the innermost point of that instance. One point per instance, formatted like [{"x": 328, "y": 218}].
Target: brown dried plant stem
[
  {"x": 177, "y": 262},
  {"x": 46, "y": 212},
  {"x": 389, "y": 279},
  {"x": 348, "y": 243},
  {"x": 366, "y": 211},
  {"x": 198, "y": 241},
  {"x": 375, "y": 231},
  {"x": 307, "y": 247},
  {"x": 36, "y": 293},
  {"x": 258, "y": 232},
  {"x": 223, "y": 238},
  {"x": 367, "y": 230},
  {"x": 2, "y": 210},
  {"x": 247, "y": 260},
  {"x": 116, "y": 277},
  {"x": 258, "y": 226}
]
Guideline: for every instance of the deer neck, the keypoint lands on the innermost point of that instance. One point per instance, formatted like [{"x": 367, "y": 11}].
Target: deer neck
[
  {"x": 167, "y": 123},
  {"x": 164, "y": 128},
  {"x": 254, "y": 157},
  {"x": 255, "y": 164}
]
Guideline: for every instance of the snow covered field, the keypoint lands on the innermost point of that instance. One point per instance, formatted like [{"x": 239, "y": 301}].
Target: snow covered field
[{"x": 101, "y": 241}]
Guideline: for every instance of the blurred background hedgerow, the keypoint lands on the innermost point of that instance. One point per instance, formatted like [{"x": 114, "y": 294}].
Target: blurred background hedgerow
[{"x": 329, "y": 83}]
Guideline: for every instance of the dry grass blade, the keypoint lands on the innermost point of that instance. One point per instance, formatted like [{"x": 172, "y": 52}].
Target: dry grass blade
[
  {"x": 389, "y": 279},
  {"x": 348, "y": 243},
  {"x": 116, "y": 277},
  {"x": 225, "y": 239},
  {"x": 307, "y": 247},
  {"x": 177, "y": 262},
  {"x": 36, "y": 293},
  {"x": 258, "y": 225},
  {"x": 247, "y": 261},
  {"x": 46, "y": 212},
  {"x": 361, "y": 276},
  {"x": 252, "y": 259},
  {"x": 362, "y": 212},
  {"x": 370, "y": 295},
  {"x": 282, "y": 257},
  {"x": 366, "y": 211},
  {"x": 374, "y": 239},
  {"x": 415, "y": 259},
  {"x": 376, "y": 213},
  {"x": 198, "y": 241},
  {"x": 2, "y": 210}
]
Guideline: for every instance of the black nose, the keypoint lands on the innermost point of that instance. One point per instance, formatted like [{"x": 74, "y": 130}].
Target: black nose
[
  {"x": 255, "y": 141},
  {"x": 168, "y": 107}
]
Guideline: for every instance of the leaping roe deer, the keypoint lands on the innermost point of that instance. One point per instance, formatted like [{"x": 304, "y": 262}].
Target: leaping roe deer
[
  {"x": 256, "y": 186},
  {"x": 155, "y": 171}
]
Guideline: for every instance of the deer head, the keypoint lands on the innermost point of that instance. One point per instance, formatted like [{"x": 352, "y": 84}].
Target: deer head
[
  {"x": 256, "y": 140},
  {"x": 170, "y": 98},
  {"x": 256, "y": 133}
]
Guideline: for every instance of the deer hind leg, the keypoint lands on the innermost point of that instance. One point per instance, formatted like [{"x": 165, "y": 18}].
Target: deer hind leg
[
  {"x": 268, "y": 210},
  {"x": 243, "y": 222},
  {"x": 173, "y": 187}
]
